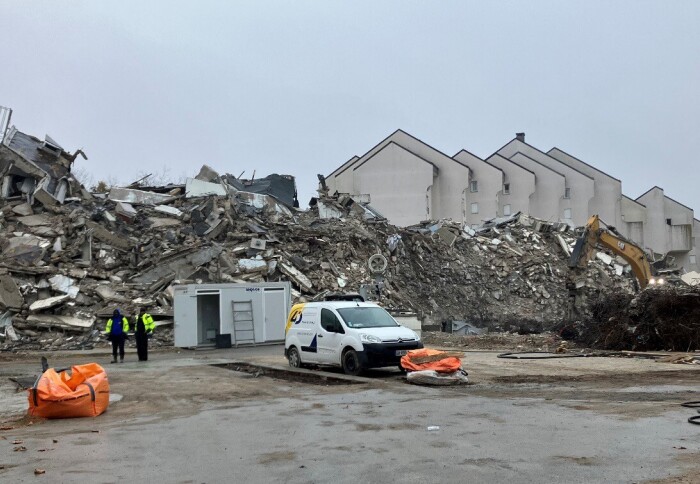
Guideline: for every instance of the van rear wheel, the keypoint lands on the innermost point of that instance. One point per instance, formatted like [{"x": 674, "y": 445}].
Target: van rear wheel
[
  {"x": 293, "y": 357},
  {"x": 351, "y": 363}
]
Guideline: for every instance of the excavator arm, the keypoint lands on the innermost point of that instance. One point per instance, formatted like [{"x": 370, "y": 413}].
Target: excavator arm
[{"x": 595, "y": 236}]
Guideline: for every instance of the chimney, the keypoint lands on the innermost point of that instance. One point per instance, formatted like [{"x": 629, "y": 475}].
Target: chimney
[{"x": 520, "y": 137}]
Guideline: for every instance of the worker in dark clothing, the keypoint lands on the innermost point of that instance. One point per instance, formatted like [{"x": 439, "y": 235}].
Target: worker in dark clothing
[
  {"x": 144, "y": 330},
  {"x": 116, "y": 329}
]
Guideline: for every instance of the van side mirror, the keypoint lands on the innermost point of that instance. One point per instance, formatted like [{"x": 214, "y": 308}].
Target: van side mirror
[{"x": 338, "y": 328}]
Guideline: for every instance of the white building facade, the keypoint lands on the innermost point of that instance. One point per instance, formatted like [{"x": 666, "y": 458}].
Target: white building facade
[{"x": 409, "y": 181}]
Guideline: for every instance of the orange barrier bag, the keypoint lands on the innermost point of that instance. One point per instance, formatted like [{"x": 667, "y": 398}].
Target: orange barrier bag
[
  {"x": 414, "y": 360},
  {"x": 82, "y": 393}
]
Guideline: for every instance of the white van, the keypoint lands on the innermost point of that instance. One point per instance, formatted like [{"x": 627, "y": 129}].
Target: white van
[{"x": 352, "y": 335}]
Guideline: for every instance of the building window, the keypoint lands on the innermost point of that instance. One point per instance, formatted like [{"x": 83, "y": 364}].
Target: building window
[
  {"x": 506, "y": 209},
  {"x": 692, "y": 259},
  {"x": 567, "y": 192},
  {"x": 474, "y": 186},
  {"x": 668, "y": 221},
  {"x": 506, "y": 188},
  {"x": 567, "y": 214},
  {"x": 475, "y": 208}
]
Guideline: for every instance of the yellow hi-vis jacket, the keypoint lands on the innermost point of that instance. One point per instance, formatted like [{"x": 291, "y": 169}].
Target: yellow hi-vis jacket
[
  {"x": 125, "y": 325},
  {"x": 148, "y": 322}
]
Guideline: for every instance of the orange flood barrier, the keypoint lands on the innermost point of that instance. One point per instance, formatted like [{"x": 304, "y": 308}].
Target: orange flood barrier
[
  {"x": 82, "y": 393},
  {"x": 427, "y": 359}
]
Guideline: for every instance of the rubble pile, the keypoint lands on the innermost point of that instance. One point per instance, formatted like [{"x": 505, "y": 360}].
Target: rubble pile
[
  {"x": 70, "y": 256},
  {"x": 655, "y": 319},
  {"x": 65, "y": 266}
]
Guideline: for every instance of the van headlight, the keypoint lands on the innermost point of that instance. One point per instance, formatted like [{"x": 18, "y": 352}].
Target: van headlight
[{"x": 368, "y": 338}]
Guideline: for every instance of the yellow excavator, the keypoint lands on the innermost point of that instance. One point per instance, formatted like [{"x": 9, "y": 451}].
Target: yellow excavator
[{"x": 596, "y": 234}]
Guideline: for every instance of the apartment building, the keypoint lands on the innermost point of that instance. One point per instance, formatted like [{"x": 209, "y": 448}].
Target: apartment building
[{"x": 409, "y": 181}]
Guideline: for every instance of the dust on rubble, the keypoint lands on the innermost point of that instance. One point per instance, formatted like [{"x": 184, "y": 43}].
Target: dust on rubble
[
  {"x": 70, "y": 255},
  {"x": 495, "y": 341}
]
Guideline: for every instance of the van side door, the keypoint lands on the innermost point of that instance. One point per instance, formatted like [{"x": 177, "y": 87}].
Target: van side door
[
  {"x": 308, "y": 328},
  {"x": 329, "y": 336}
]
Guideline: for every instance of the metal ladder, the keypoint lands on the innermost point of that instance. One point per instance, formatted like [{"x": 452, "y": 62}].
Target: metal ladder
[{"x": 243, "y": 322}]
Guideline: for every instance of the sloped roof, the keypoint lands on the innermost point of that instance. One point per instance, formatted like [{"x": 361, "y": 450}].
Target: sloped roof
[
  {"x": 472, "y": 154},
  {"x": 392, "y": 143},
  {"x": 581, "y": 161}
]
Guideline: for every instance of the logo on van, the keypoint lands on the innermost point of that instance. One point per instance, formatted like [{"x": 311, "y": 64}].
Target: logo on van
[{"x": 295, "y": 316}]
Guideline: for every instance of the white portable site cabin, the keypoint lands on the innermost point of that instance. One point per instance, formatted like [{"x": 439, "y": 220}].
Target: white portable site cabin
[{"x": 250, "y": 313}]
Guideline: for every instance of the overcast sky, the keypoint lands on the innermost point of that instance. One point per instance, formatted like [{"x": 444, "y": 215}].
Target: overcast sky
[{"x": 299, "y": 87}]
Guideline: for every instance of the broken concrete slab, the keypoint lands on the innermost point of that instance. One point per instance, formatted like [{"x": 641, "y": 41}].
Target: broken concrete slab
[
  {"x": 10, "y": 296},
  {"x": 447, "y": 235},
  {"x": 157, "y": 222},
  {"x": 48, "y": 303},
  {"x": 326, "y": 210},
  {"x": 216, "y": 229},
  {"x": 207, "y": 174},
  {"x": 64, "y": 284},
  {"x": 139, "y": 197},
  {"x": 109, "y": 217},
  {"x": 691, "y": 278},
  {"x": 604, "y": 258},
  {"x": 258, "y": 244},
  {"x": 262, "y": 202},
  {"x": 101, "y": 233},
  {"x": 126, "y": 211},
  {"x": 181, "y": 265},
  {"x": 35, "y": 220},
  {"x": 26, "y": 249},
  {"x": 293, "y": 273},
  {"x": 564, "y": 246},
  {"x": 198, "y": 188},
  {"x": 70, "y": 323},
  {"x": 166, "y": 209},
  {"x": 108, "y": 294},
  {"x": 23, "y": 209},
  {"x": 6, "y": 330},
  {"x": 252, "y": 265}
]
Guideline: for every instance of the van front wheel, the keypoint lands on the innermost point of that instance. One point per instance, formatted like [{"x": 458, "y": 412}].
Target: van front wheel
[
  {"x": 293, "y": 357},
  {"x": 351, "y": 363}
]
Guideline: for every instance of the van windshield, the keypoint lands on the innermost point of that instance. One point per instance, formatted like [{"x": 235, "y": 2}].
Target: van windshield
[{"x": 367, "y": 317}]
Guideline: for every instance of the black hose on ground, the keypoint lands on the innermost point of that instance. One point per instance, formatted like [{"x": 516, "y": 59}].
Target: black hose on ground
[
  {"x": 695, "y": 420},
  {"x": 521, "y": 355}
]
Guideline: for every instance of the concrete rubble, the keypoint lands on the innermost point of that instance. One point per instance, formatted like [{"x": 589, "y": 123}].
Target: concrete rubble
[{"x": 65, "y": 266}]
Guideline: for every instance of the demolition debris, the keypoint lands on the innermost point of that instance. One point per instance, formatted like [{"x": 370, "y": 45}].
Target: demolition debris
[{"x": 69, "y": 257}]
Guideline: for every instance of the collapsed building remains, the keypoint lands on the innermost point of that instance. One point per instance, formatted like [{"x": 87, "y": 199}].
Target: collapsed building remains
[{"x": 69, "y": 257}]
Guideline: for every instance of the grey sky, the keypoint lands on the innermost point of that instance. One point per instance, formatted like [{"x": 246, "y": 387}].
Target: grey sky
[{"x": 299, "y": 87}]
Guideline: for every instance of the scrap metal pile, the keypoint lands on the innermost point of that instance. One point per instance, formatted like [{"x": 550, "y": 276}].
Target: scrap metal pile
[
  {"x": 655, "y": 319},
  {"x": 69, "y": 256}
]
